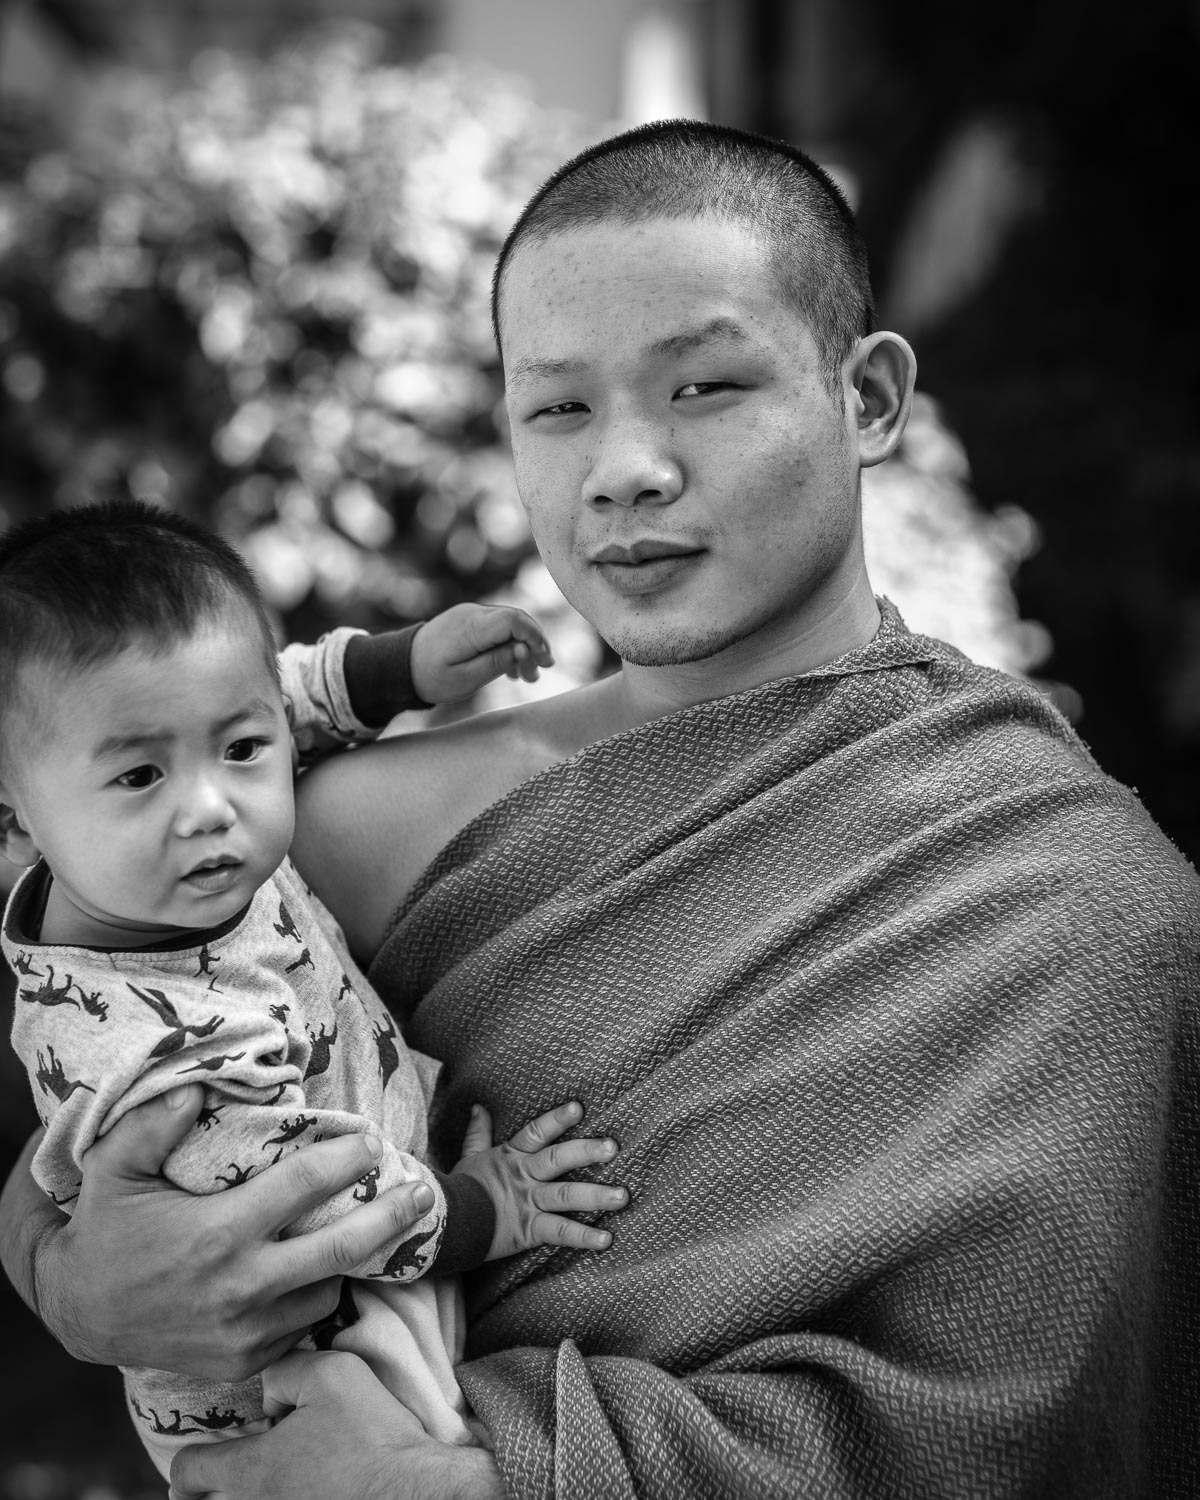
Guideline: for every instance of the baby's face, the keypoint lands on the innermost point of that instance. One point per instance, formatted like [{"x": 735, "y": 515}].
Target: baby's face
[{"x": 159, "y": 787}]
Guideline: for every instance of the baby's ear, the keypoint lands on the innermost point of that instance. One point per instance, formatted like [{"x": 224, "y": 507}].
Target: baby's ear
[{"x": 16, "y": 844}]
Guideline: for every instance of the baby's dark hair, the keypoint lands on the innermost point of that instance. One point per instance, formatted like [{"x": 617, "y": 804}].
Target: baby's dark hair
[{"x": 78, "y": 586}]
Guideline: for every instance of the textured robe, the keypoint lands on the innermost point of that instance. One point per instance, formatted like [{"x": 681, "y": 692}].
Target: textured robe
[{"x": 889, "y": 996}]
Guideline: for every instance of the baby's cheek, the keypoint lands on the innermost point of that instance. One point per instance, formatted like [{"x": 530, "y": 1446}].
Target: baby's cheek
[{"x": 279, "y": 821}]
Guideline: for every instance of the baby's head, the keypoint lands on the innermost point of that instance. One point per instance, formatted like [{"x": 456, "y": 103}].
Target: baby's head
[{"x": 144, "y": 749}]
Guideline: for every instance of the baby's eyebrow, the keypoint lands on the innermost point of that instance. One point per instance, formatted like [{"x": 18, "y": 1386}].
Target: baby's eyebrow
[
  {"x": 255, "y": 708},
  {"x": 121, "y": 744},
  {"x": 113, "y": 745}
]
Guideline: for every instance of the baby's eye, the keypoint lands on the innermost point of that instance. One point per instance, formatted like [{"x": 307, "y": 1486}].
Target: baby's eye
[
  {"x": 140, "y": 777},
  {"x": 246, "y": 749}
]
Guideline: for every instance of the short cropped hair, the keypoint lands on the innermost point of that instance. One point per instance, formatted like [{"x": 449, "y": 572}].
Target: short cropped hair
[
  {"x": 78, "y": 586},
  {"x": 688, "y": 169}
]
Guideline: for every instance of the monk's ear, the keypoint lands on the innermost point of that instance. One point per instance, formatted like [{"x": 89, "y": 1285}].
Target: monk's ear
[
  {"x": 16, "y": 844},
  {"x": 882, "y": 372}
]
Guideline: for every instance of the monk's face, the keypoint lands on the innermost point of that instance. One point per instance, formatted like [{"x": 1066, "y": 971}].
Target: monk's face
[{"x": 691, "y": 481}]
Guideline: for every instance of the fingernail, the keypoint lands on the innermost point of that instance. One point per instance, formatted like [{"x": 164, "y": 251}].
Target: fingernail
[
  {"x": 176, "y": 1098},
  {"x": 423, "y": 1198},
  {"x": 373, "y": 1144},
  {"x": 609, "y": 1148}
]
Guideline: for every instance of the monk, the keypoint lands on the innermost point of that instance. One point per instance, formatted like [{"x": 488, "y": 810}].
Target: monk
[{"x": 886, "y": 991}]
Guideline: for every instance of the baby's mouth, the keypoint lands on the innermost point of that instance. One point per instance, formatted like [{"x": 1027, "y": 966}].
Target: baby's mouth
[{"x": 214, "y": 875}]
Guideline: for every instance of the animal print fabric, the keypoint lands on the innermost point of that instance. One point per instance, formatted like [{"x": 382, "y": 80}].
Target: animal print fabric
[
  {"x": 889, "y": 996},
  {"x": 292, "y": 1045}
]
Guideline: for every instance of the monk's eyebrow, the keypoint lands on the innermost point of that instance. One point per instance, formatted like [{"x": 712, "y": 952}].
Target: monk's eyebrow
[
  {"x": 688, "y": 340},
  {"x": 720, "y": 330},
  {"x": 542, "y": 369}
]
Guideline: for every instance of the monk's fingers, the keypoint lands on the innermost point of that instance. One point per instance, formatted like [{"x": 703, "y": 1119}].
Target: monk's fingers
[
  {"x": 27, "y": 1217},
  {"x": 286, "y": 1381},
  {"x": 579, "y": 1197},
  {"x": 570, "y": 1156},
  {"x": 291, "y": 1315},
  {"x": 552, "y": 1229},
  {"x": 141, "y": 1140},
  {"x": 213, "y": 1470},
  {"x": 548, "y": 1127},
  {"x": 277, "y": 1196},
  {"x": 335, "y": 1249},
  {"x": 306, "y": 1378}
]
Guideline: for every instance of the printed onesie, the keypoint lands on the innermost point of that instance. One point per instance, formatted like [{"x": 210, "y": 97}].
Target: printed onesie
[{"x": 271, "y": 1014}]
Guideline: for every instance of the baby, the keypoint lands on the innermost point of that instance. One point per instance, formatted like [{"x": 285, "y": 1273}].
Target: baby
[{"x": 160, "y": 936}]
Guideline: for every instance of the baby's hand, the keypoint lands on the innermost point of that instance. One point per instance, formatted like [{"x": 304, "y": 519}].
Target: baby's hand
[
  {"x": 458, "y": 651},
  {"x": 519, "y": 1178}
]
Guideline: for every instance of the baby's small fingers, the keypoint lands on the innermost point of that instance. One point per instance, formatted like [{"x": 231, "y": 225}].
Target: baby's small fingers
[
  {"x": 569, "y": 1156},
  {"x": 551, "y": 1229},
  {"x": 516, "y": 662},
  {"x": 525, "y": 662},
  {"x": 525, "y": 628},
  {"x": 479, "y": 1132},
  {"x": 530, "y": 669},
  {"x": 580, "y": 1197},
  {"x": 545, "y": 1128}
]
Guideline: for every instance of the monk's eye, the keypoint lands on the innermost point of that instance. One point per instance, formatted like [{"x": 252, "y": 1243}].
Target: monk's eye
[
  {"x": 561, "y": 409},
  {"x": 704, "y": 388}
]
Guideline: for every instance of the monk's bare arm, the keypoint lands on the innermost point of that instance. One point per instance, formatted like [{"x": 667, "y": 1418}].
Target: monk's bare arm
[{"x": 368, "y": 823}]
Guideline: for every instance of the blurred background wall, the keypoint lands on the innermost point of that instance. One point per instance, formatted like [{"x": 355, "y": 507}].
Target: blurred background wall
[{"x": 244, "y": 251}]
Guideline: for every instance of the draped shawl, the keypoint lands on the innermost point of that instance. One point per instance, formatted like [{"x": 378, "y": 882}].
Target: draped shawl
[{"x": 888, "y": 995}]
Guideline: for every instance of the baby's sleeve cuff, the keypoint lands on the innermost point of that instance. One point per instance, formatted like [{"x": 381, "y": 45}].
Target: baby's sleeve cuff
[
  {"x": 470, "y": 1225},
  {"x": 313, "y": 680}
]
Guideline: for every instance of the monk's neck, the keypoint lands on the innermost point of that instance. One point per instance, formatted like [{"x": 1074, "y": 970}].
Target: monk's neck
[{"x": 647, "y": 693}]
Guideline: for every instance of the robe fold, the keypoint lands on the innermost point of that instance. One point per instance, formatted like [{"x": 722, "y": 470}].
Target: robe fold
[{"x": 888, "y": 995}]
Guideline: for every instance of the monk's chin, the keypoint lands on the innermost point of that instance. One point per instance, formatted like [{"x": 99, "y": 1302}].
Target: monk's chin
[{"x": 668, "y": 648}]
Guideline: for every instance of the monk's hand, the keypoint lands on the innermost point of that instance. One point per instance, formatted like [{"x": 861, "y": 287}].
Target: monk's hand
[
  {"x": 458, "y": 651},
  {"x": 522, "y": 1178},
  {"x": 145, "y": 1274},
  {"x": 338, "y": 1432}
]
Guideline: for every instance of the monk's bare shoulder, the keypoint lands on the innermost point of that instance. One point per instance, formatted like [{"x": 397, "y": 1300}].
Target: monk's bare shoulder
[{"x": 368, "y": 823}]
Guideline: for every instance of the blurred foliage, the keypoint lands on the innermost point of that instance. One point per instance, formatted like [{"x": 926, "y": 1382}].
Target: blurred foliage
[
  {"x": 944, "y": 560},
  {"x": 260, "y": 296}
]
